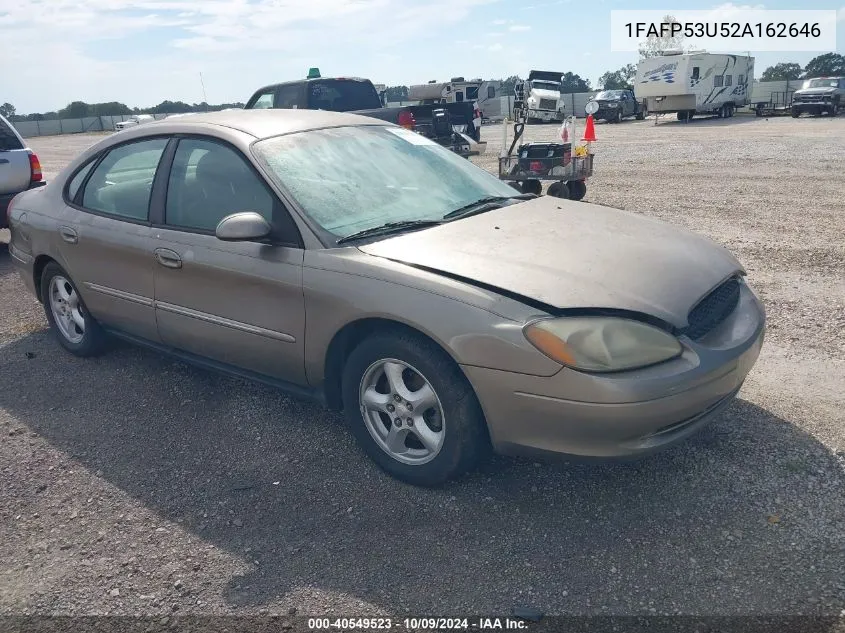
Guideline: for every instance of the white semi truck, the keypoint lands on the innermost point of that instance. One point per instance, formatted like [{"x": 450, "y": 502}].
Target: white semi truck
[
  {"x": 541, "y": 95},
  {"x": 694, "y": 83}
]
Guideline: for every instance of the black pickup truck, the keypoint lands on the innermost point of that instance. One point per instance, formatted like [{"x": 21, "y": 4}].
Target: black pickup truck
[
  {"x": 453, "y": 125},
  {"x": 615, "y": 105}
]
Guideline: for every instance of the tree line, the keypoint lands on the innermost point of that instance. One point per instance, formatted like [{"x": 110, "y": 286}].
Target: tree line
[
  {"x": 81, "y": 110},
  {"x": 826, "y": 65}
]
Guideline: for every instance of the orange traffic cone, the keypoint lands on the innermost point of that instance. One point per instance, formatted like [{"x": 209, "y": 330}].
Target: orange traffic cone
[{"x": 589, "y": 130}]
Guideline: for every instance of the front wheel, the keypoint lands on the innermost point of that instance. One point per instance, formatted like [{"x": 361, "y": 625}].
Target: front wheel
[
  {"x": 796, "y": 113},
  {"x": 75, "y": 328},
  {"x": 412, "y": 410}
]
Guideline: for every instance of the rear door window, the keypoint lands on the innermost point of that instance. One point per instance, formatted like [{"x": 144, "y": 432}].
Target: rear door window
[
  {"x": 342, "y": 95},
  {"x": 287, "y": 97},
  {"x": 8, "y": 139},
  {"x": 122, "y": 183}
]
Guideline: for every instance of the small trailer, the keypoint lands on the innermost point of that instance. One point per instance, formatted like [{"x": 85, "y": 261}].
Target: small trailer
[
  {"x": 525, "y": 167},
  {"x": 779, "y": 103},
  {"x": 695, "y": 83}
]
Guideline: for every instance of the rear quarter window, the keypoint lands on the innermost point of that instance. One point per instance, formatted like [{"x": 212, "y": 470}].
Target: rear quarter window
[{"x": 8, "y": 139}]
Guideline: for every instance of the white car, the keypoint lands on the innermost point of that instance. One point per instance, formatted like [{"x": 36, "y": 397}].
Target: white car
[{"x": 135, "y": 119}]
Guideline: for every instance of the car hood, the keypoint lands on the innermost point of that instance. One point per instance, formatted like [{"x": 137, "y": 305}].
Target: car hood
[
  {"x": 567, "y": 254},
  {"x": 815, "y": 91}
]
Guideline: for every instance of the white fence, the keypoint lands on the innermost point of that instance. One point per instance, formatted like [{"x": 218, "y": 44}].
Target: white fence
[
  {"x": 54, "y": 127},
  {"x": 779, "y": 92}
]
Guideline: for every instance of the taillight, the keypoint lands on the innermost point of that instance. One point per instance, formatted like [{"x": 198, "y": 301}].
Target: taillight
[
  {"x": 407, "y": 120},
  {"x": 35, "y": 168}
]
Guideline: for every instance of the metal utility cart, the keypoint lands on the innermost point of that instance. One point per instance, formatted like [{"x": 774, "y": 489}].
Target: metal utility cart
[{"x": 528, "y": 165}]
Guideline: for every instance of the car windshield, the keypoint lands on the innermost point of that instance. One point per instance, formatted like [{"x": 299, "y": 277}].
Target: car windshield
[
  {"x": 609, "y": 94},
  {"x": 546, "y": 85},
  {"x": 821, "y": 83},
  {"x": 350, "y": 179}
]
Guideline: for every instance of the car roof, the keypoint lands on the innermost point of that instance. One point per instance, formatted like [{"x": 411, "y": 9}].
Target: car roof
[{"x": 263, "y": 123}]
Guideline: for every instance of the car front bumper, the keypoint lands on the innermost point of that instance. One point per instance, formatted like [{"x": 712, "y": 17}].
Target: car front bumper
[
  {"x": 627, "y": 413},
  {"x": 813, "y": 105},
  {"x": 605, "y": 114},
  {"x": 545, "y": 115}
]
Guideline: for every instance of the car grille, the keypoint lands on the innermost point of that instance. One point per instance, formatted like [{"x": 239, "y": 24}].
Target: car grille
[
  {"x": 548, "y": 104},
  {"x": 713, "y": 309},
  {"x": 812, "y": 98}
]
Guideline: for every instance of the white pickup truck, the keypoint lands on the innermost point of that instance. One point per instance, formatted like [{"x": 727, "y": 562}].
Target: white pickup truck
[
  {"x": 19, "y": 168},
  {"x": 135, "y": 119}
]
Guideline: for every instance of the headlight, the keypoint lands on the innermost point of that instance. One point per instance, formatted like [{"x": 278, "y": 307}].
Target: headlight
[{"x": 601, "y": 344}]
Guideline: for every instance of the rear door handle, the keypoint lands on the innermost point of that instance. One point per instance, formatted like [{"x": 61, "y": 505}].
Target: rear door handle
[
  {"x": 68, "y": 234},
  {"x": 168, "y": 258}
]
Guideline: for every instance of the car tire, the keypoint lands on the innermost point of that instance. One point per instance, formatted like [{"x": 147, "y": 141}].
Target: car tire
[
  {"x": 76, "y": 330},
  {"x": 558, "y": 190},
  {"x": 796, "y": 113},
  {"x": 577, "y": 189},
  {"x": 618, "y": 118},
  {"x": 640, "y": 115},
  {"x": 683, "y": 115},
  {"x": 395, "y": 367},
  {"x": 532, "y": 186}
]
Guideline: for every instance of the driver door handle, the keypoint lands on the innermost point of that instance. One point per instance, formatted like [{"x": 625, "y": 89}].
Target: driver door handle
[{"x": 168, "y": 258}]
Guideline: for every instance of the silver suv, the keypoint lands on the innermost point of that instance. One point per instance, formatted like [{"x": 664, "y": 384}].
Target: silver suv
[
  {"x": 19, "y": 168},
  {"x": 820, "y": 95}
]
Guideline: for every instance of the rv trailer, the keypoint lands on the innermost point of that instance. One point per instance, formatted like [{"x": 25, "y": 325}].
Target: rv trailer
[{"x": 695, "y": 83}]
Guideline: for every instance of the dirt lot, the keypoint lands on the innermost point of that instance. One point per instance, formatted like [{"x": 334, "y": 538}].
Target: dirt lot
[{"x": 132, "y": 484}]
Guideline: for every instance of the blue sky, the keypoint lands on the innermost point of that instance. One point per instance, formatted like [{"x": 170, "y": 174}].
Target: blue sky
[{"x": 141, "y": 52}]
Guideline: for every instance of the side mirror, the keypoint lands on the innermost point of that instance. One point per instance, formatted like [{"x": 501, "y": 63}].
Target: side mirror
[{"x": 246, "y": 226}]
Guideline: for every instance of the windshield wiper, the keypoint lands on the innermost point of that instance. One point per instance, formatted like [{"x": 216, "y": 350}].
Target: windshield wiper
[
  {"x": 390, "y": 227},
  {"x": 485, "y": 204}
]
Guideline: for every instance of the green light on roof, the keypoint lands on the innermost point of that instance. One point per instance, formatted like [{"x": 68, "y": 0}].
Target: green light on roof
[{"x": 313, "y": 73}]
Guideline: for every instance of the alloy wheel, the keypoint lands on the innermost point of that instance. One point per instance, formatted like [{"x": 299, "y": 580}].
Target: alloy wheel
[
  {"x": 67, "y": 309},
  {"x": 402, "y": 412}
]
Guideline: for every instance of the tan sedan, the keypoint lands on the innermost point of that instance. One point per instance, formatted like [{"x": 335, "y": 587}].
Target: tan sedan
[{"x": 345, "y": 258}]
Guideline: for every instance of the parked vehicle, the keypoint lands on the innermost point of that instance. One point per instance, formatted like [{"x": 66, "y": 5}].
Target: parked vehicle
[
  {"x": 820, "y": 95},
  {"x": 20, "y": 169},
  {"x": 353, "y": 260},
  {"x": 455, "y": 91},
  {"x": 694, "y": 83},
  {"x": 453, "y": 125},
  {"x": 135, "y": 119},
  {"x": 541, "y": 95},
  {"x": 615, "y": 105}
]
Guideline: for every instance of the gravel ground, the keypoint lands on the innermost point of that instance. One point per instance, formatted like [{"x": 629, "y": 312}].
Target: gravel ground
[{"x": 132, "y": 484}]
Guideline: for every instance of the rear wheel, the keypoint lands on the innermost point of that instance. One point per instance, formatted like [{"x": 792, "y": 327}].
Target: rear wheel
[
  {"x": 640, "y": 115},
  {"x": 683, "y": 115},
  {"x": 75, "y": 328},
  {"x": 558, "y": 190},
  {"x": 412, "y": 410},
  {"x": 577, "y": 189}
]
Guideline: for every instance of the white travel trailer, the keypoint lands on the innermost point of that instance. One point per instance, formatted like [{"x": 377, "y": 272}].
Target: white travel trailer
[
  {"x": 455, "y": 91},
  {"x": 695, "y": 83}
]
